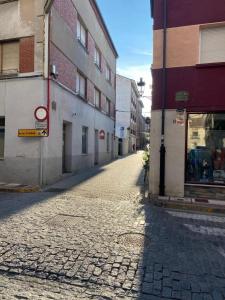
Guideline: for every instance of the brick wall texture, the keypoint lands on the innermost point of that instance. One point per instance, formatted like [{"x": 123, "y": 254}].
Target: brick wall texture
[
  {"x": 27, "y": 54},
  {"x": 66, "y": 69},
  {"x": 68, "y": 12}
]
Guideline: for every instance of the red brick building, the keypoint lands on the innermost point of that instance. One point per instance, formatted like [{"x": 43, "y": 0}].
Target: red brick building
[{"x": 189, "y": 96}]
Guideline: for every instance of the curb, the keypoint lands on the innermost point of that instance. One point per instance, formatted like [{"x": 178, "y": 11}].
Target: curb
[
  {"x": 190, "y": 207},
  {"x": 20, "y": 189}
]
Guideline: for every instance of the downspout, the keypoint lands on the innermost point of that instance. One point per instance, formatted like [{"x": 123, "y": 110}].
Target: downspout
[
  {"x": 49, "y": 79},
  {"x": 164, "y": 95}
]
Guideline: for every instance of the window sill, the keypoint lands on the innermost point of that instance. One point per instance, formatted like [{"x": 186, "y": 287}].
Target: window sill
[
  {"x": 210, "y": 65},
  {"x": 84, "y": 48},
  {"x": 82, "y": 98},
  {"x": 98, "y": 67},
  {"x": 84, "y": 154}
]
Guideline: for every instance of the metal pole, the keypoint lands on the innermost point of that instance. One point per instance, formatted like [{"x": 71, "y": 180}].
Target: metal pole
[{"x": 162, "y": 146}]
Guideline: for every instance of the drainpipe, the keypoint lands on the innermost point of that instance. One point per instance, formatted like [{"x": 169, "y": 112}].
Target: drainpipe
[{"x": 164, "y": 95}]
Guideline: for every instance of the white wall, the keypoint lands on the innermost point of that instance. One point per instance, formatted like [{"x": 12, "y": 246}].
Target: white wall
[{"x": 175, "y": 154}]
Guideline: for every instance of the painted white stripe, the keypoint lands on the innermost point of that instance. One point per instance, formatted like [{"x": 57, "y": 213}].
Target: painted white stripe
[
  {"x": 199, "y": 217},
  {"x": 206, "y": 230}
]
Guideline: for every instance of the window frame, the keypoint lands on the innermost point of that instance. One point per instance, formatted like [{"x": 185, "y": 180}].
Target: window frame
[
  {"x": 186, "y": 181},
  {"x": 84, "y": 137},
  {"x": 108, "y": 104},
  {"x": 10, "y": 71},
  {"x": 108, "y": 142},
  {"x": 98, "y": 63},
  {"x": 78, "y": 91},
  {"x": 81, "y": 26},
  {"x": 108, "y": 72},
  {"x": 99, "y": 92}
]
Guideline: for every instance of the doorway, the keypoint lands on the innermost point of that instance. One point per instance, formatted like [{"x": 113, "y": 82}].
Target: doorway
[
  {"x": 67, "y": 148},
  {"x": 96, "y": 147},
  {"x": 120, "y": 147}
]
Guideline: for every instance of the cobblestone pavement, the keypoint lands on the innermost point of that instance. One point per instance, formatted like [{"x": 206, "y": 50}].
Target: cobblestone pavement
[{"x": 99, "y": 239}]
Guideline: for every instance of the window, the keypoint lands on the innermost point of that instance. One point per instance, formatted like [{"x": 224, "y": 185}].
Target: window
[
  {"x": 205, "y": 161},
  {"x": 2, "y": 136},
  {"x": 9, "y": 57},
  {"x": 81, "y": 33},
  {"x": 212, "y": 45},
  {"x": 107, "y": 143},
  {"x": 97, "y": 98},
  {"x": 84, "y": 140},
  {"x": 108, "y": 74},
  {"x": 81, "y": 85},
  {"x": 108, "y": 106},
  {"x": 97, "y": 58}
]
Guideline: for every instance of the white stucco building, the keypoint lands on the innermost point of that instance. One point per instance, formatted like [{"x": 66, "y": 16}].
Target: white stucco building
[
  {"x": 128, "y": 107},
  {"x": 58, "y": 55}
]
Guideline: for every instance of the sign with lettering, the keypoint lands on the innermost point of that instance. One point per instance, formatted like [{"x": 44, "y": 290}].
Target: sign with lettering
[{"x": 32, "y": 132}]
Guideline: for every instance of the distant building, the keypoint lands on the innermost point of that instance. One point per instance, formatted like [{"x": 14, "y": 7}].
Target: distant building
[
  {"x": 58, "y": 55},
  {"x": 189, "y": 95},
  {"x": 128, "y": 114}
]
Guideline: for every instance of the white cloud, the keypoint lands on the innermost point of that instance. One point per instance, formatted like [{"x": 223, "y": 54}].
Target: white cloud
[
  {"x": 142, "y": 52},
  {"x": 136, "y": 72}
]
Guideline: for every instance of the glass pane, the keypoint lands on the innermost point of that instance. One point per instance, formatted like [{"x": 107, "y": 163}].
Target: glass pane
[
  {"x": 82, "y": 86},
  {"x": 78, "y": 84},
  {"x": 78, "y": 29},
  {"x": 206, "y": 149},
  {"x": 83, "y": 36},
  {"x": 97, "y": 98}
]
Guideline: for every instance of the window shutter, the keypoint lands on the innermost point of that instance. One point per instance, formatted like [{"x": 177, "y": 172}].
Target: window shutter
[
  {"x": 10, "y": 57},
  {"x": 212, "y": 45}
]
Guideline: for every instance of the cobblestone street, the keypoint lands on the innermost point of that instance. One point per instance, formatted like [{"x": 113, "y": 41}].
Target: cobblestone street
[{"x": 95, "y": 236}]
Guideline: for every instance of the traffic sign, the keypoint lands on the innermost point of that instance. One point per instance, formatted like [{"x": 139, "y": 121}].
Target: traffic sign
[
  {"x": 41, "y": 113},
  {"x": 32, "y": 132}
]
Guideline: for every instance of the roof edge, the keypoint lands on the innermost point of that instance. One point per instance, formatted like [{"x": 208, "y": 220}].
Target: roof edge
[{"x": 103, "y": 25}]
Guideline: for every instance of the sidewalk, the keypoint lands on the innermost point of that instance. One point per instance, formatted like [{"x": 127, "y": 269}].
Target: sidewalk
[
  {"x": 18, "y": 188},
  {"x": 193, "y": 204}
]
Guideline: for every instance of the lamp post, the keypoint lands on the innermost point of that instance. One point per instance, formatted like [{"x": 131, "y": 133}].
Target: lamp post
[{"x": 141, "y": 84}]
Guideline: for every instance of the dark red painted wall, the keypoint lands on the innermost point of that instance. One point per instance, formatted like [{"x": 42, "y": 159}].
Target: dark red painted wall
[
  {"x": 206, "y": 86},
  {"x": 189, "y": 12}
]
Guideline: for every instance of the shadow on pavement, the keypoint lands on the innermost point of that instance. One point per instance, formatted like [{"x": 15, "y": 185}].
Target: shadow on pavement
[{"x": 13, "y": 203}]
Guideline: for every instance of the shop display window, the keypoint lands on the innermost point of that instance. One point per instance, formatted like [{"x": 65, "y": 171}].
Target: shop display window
[{"x": 205, "y": 161}]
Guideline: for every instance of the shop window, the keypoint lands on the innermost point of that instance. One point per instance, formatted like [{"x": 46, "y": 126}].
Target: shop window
[
  {"x": 2, "y": 137},
  {"x": 9, "y": 57},
  {"x": 97, "y": 98},
  {"x": 81, "y": 33},
  {"x": 212, "y": 45},
  {"x": 81, "y": 85},
  {"x": 205, "y": 162},
  {"x": 84, "y": 140}
]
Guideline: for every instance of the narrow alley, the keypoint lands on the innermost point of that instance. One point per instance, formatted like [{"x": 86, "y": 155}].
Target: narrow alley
[{"x": 95, "y": 236}]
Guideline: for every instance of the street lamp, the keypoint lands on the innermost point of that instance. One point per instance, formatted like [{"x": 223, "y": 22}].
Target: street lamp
[{"x": 141, "y": 84}]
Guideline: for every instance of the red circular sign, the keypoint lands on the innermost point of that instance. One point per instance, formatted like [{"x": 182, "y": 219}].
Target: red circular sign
[{"x": 41, "y": 113}]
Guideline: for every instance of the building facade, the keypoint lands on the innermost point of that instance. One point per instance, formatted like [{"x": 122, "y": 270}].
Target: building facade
[
  {"x": 58, "y": 55},
  {"x": 188, "y": 94},
  {"x": 127, "y": 104}
]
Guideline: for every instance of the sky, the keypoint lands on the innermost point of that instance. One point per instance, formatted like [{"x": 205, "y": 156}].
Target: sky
[{"x": 130, "y": 26}]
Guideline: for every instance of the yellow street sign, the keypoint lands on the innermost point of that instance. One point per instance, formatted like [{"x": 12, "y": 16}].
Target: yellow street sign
[{"x": 32, "y": 132}]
